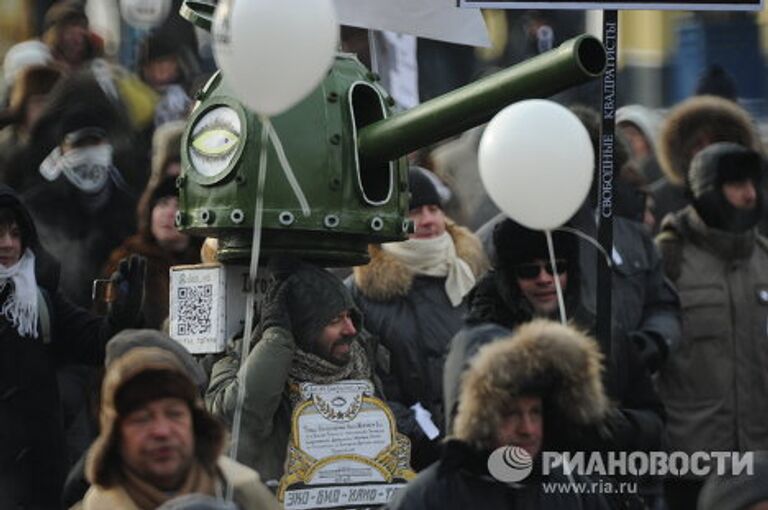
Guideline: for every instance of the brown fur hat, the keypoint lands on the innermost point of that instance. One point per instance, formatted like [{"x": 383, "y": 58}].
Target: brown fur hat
[
  {"x": 696, "y": 123},
  {"x": 543, "y": 358},
  {"x": 103, "y": 460}
]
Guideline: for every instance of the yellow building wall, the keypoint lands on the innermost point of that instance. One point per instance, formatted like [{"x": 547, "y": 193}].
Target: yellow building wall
[{"x": 646, "y": 38}]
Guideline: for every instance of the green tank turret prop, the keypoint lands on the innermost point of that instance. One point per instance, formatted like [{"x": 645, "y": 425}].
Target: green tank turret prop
[{"x": 346, "y": 147}]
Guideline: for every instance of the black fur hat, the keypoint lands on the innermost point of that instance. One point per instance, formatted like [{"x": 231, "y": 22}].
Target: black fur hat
[{"x": 516, "y": 244}]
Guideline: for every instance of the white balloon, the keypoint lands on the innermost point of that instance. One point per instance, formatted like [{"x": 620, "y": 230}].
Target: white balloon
[
  {"x": 536, "y": 163},
  {"x": 273, "y": 53}
]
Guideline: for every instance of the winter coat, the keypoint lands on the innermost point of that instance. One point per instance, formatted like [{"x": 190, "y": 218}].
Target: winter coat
[
  {"x": 84, "y": 239},
  {"x": 414, "y": 321},
  {"x": 641, "y": 298},
  {"x": 249, "y": 492},
  {"x": 32, "y": 456},
  {"x": 266, "y": 418},
  {"x": 496, "y": 300},
  {"x": 714, "y": 385},
  {"x": 104, "y": 468},
  {"x": 460, "y": 480},
  {"x": 574, "y": 398},
  {"x": 159, "y": 263}
]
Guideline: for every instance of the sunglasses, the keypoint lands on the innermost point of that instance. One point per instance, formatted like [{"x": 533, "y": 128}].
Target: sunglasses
[{"x": 533, "y": 269}]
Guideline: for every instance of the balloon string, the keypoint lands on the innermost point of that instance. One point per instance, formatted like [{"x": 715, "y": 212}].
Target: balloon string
[
  {"x": 250, "y": 299},
  {"x": 590, "y": 240},
  {"x": 556, "y": 276},
  {"x": 286, "y": 166}
]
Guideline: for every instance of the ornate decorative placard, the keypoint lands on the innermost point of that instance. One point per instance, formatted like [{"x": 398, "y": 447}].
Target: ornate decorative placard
[{"x": 344, "y": 451}]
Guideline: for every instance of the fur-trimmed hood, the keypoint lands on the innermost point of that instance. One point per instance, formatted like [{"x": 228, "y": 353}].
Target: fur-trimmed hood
[
  {"x": 701, "y": 120},
  {"x": 558, "y": 363},
  {"x": 386, "y": 277}
]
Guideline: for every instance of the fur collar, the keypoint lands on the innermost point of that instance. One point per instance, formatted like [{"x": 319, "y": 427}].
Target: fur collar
[{"x": 386, "y": 277}]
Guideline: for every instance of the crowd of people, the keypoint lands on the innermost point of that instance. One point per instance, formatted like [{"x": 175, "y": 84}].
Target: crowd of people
[{"x": 456, "y": 328}]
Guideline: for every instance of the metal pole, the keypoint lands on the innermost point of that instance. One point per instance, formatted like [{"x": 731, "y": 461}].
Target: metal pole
[{"x": 607, "y": 179}]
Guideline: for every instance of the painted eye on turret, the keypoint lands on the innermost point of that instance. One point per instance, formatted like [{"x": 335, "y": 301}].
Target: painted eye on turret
[{"x": 214, "y": 141}]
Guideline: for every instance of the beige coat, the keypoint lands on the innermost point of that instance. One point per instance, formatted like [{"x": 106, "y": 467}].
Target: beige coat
[{"x": 249, "y": 492}]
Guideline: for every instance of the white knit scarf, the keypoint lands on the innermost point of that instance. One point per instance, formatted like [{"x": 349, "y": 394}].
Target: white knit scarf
[
  {"x": 20, "y": 307},
  {"x": 436, "y": 257}
]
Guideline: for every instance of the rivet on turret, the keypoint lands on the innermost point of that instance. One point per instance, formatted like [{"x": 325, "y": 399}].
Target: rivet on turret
[
  {"x": 377, "y": 224},
  {"x": 335, "y": 139},
  {"x": 207, "y": 216},
  {"x": 332, "y": 97},
  {"x": 408, "y": 226},
  {"x": 179, "y": 219},
  {"x": 180, "y": 180},
  {"x": 286, "y": 218},
  {"x": 335, "y": 183},
  {"x": 240, "y": 179},
  {"x": 331, "y": 221},
  {"x": 390, "y": 101},
  {"x": 237, "y": 216}
]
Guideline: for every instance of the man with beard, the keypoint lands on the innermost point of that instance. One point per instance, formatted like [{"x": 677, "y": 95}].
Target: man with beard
[
  {"x": 714, "y": 386},
  {"x": 309, "y": 332}
]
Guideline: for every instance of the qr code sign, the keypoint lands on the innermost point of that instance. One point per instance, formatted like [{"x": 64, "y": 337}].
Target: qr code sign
[{"x": 195, "y": 310}]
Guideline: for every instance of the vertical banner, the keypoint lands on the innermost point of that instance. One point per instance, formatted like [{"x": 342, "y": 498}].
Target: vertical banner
[
  {"x": 607, "y": 178},
  {"x": 395, "y": 57}
]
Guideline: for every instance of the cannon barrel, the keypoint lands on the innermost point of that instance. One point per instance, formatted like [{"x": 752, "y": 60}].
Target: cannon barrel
[{"x": 576, "y": 61}]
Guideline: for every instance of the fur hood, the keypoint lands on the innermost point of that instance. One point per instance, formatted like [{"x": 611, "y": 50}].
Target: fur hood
[
  {"x": 386, "y": 277},
  {"x": 701, "y": 120},
  {"x": 544, "y": 358}
]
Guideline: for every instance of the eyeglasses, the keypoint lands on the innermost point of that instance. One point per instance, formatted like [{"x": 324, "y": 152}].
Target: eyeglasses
[{"x": 533, "y": 269}]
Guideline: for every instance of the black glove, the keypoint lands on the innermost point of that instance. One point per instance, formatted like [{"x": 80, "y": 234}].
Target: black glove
[
  {"x": 651, "y": 349},
  {"x": 274, "y": 309},
  {"x": 128, "y": 285}
]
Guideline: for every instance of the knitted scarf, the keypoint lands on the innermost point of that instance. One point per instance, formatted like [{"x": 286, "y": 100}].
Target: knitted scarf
[
  {"x": 436, "y": 257},
  {"x": 20, "y": 305},
  {"x": 148, "y": 497},
  {"x": 308, "y": 367}
]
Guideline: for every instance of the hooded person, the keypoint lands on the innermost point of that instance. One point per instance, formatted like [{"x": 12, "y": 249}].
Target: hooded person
[
  {"x": 158, "y": 442},
  {"x": 66, "y": 33},
  {"x": 521, "y": 288},
  {"x": 640, "y": 126},
  {"x": 310, "y": 331},
  {"x": 412, "y": 295},
  {"x": 715, "y": 256},
  {"x": 689, "y": 127},
  {"x": 80, "y": 200},
  {"x": 42, "y": 331},
  {"x": 76, "y": 484},
  {"x": 530, "y": 390},
  {"x": 159, "y": 241}
]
